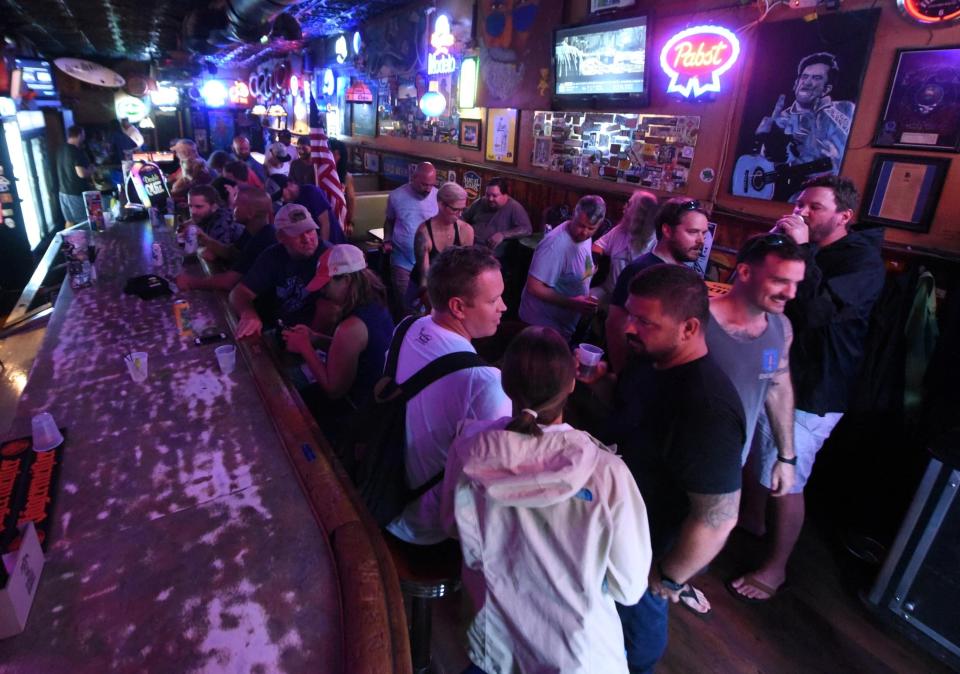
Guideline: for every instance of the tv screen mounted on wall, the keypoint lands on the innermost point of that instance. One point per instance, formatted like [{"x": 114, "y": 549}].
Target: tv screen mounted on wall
[{"x": 602, "y": 65}]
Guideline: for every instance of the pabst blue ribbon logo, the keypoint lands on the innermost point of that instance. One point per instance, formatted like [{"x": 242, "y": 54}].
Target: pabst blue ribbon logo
[{"x": 695, "y": 59}]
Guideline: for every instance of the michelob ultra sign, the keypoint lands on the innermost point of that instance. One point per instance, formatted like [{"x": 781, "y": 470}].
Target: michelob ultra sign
[{"x": 696, "y": 58}]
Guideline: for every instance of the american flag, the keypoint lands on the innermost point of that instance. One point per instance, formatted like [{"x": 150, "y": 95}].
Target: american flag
[{"x": 325, "y": 167}]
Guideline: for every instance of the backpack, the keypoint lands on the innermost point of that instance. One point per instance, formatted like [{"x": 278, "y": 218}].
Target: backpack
[{"x": 378, "y": 439}]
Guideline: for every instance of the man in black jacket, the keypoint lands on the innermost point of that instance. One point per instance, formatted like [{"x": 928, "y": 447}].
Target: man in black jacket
[{"x": 830, "y": 317}]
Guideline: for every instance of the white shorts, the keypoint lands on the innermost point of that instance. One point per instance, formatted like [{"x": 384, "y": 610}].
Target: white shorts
[{"x": 810, "y": 431}]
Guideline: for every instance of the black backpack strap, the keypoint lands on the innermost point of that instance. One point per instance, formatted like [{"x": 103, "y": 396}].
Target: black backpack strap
[
  {"x": 440, "y": 367},
  {"x": 393, "y": 353}
]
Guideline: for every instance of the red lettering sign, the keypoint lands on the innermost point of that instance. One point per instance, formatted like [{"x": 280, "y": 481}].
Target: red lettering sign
[{"x": 696, "y": 58}]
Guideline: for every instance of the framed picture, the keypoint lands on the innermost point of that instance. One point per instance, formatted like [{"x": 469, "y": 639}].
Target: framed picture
[
  {"x": 470, "y": 133},
  {"x": 922, "y": 108},
  {"x": 800, "y": 105},
  {"x": 502, "y": 137},
  {"x": 371, "y": 162},
  {"x": 604, "y": 5},
  {"x": 542, "y": 149},
  {"x": 903, "y": 191}
]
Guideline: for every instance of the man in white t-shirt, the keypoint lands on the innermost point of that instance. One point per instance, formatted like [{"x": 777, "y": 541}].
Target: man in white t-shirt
[
  {"x": 557, "y": 291},
  {"x": 465, "y": 288},
  {"x": 408, "y": 207}
]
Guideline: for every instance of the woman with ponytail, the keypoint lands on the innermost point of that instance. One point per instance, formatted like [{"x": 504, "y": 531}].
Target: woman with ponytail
[{"x": 552, "y": 526}]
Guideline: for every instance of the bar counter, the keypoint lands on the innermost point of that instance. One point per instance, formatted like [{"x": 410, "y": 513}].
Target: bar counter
[{"x": 188, "y": 534}]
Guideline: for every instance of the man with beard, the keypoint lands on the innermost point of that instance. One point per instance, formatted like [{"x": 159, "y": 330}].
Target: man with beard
[
  {"x": 557, "y": 292},
  {"x": 681, "y": 229},
  {"x": 219, "y": 232},
  {"x": 830, "y": 316},
  {"x": 281, "y": 272},
  {"x": 241, "y": 150},
  {"x": 679, "y": 424},
  {"x": 301, "y": 168}
]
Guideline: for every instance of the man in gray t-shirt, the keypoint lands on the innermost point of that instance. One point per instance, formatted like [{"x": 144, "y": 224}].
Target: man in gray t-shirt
[
  {"x": 408, "y": 207},
  {"x": 497, "y": 217},
  {"x": 749, "y": 337},
  {"x": 557, "y": 291}
]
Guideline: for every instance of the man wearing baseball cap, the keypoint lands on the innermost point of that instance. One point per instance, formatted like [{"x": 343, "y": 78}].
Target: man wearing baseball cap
[{"x": 281, "y": 273}]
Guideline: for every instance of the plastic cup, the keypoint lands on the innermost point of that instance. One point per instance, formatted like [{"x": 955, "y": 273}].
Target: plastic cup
[
  {"x": 226, "y": 357},
  {"x": 137, "y": 366},
  {"x": 46, "y": 435},
  {"x": 588, "y": 356},
  {"x": 169, "y": 220}
]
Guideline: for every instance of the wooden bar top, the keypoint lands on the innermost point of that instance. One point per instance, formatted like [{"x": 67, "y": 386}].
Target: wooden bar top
[{"x": 182, "y": 541}]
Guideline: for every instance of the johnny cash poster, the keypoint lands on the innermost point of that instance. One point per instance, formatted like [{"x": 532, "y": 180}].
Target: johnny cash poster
[{"x": 801, "y": 101}]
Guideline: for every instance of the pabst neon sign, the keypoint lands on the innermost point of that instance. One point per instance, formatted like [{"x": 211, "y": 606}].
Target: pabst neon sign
[{"x": 697, "y": 57}]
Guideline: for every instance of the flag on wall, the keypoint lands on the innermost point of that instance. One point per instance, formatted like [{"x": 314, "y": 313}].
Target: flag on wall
[{"x": 324, "y": 166}]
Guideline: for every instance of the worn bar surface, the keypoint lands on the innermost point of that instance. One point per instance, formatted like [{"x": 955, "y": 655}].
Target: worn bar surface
[{"x": 182, "y": 541}]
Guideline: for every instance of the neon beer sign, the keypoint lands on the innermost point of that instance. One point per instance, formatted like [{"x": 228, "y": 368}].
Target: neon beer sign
[
  {"x": 440, "y": 61},
  {"x": 695, "y": 59}
]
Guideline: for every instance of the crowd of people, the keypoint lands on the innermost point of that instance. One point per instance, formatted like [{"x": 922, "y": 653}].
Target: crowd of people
[{"x": 575, "y": 540}]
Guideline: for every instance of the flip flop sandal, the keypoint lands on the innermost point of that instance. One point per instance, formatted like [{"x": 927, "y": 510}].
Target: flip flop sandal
[
  {"x": 753, "y": 582},
  {"x": 694, "y": 601}
]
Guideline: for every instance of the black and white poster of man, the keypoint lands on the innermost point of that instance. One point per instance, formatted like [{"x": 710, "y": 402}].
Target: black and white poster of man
[{"x": 801, "y": 101}]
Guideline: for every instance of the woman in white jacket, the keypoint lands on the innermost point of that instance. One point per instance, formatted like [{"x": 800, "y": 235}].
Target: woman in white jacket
[{"x": 551, "y": 523}]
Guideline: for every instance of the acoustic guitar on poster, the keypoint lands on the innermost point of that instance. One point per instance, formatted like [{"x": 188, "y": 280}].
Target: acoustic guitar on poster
[{"x": 758, "y": 177}]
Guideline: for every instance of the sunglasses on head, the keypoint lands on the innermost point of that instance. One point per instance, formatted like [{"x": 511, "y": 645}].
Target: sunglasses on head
[
  {"x": 767, "y": 241},
  {"x": 692, "y": 205}
]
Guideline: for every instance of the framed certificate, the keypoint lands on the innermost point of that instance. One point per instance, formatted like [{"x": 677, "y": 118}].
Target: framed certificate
[{"x": 903, "y": 191}]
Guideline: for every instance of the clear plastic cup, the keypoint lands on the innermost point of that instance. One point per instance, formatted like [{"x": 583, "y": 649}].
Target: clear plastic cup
[
  {"x": 46, "y": 435},
  {"x": 169, "y": 220},
  {"x": 226, "y": 357},
  {"x": 588, "y": 356},
  {"x": 137, "y": 366}
]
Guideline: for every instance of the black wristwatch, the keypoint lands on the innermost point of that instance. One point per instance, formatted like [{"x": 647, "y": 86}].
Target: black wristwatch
[
  {"x": 667, "y": 581},
  {"x": 792, "y": 461}
]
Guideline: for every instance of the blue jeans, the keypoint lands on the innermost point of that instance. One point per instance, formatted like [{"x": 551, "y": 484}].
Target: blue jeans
[{"x": 644, "y": 632}]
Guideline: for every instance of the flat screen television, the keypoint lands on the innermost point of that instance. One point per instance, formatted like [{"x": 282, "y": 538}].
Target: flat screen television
[
  {"x": 37, "y": 74},
  {"x": 602, "y": 65}
]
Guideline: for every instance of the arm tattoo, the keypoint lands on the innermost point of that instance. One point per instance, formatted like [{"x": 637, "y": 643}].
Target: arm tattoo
[{"x": 715, "y": 509}]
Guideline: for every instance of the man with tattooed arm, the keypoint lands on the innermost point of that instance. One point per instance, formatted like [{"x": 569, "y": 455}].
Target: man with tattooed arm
[{"x": 679, "y": 424}]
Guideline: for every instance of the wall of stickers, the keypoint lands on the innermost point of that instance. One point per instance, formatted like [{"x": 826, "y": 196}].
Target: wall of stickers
[{"x": 654, "y": 151}]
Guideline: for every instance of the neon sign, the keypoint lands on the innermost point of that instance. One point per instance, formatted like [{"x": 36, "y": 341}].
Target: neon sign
[
  {"x": 340, "y": 48},
  {"x": 440, "y": 61},
  {"x": 239, "y": 93},
  {"x": 329, "y": 84},
  {"x": 695, "y": 59}
]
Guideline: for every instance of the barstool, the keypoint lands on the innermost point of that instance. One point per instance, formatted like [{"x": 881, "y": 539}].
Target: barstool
[{"x": 426, "y": 572}]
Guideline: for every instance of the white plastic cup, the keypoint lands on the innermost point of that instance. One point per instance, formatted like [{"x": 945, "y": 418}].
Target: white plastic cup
[
  {"x": 588, "y": 356},
  {"x": 46, "y": 435},
  {"x": 226, "y": 357},
  {"x": 137, "y": 364}
]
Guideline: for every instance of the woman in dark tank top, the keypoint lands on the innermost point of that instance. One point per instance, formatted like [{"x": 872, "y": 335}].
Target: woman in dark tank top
[
  {"x": 434, "y": 236},
  {"x": 355, "y": 353}
]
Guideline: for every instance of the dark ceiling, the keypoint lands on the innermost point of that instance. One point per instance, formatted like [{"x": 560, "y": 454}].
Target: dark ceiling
[{"x": 142, "y": 30}]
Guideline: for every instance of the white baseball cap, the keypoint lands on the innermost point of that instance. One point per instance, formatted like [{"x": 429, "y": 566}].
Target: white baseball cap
[{"x": 336, "y": 261}]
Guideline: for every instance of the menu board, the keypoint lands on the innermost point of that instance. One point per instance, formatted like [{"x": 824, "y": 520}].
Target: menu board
[
  {"x": 364, "y": 119},
  {"x": 654, "y": 151}
]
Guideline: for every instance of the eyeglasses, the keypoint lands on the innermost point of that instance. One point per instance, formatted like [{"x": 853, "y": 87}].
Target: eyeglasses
[
  {"x": 692, "y": 205},
  {"x": 452, "y": 209},
  {"x": 767, "y": 242}
]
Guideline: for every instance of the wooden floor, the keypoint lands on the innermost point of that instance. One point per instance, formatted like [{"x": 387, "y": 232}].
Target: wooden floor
[{"x": 817, "y": 625}]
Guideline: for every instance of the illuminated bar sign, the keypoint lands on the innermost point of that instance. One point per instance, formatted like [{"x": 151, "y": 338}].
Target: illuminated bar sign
[
  {"x": 358, "y": 92},
  {"x": 695, "y": 59},
  {"x": 440, "y": 61}
]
